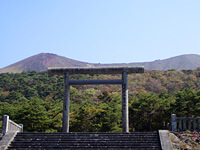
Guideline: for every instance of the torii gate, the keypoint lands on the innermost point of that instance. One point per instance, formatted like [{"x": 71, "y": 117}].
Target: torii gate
[{"x": 96, "y": 70}]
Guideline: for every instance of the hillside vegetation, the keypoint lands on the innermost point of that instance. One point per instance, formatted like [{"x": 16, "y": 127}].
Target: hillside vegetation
[{"x": 35, "y": 100}]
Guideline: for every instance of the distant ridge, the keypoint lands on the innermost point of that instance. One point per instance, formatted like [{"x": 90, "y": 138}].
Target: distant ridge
[
  {"x": 42, "y": 61},
  {"x": 182, "y": 62}
]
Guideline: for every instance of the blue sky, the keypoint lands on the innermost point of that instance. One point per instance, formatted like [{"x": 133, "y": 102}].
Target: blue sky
[{"x": 99, "y": 31}]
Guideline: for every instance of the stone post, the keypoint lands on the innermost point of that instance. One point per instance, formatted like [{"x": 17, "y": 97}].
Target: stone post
[
  {"x": 66, "y": 103},
  {"x": 173, "y": 122},
  {"x": 194, "y": 124},
  {"x": 189, "y": 124},
  {"x": 199, "y": 124},
  {"x": 184, "y": 124},
  {"x": 22, "y": 127},
  {"x": 5, "y": 124},
  {"x": 125, "y": 117}
]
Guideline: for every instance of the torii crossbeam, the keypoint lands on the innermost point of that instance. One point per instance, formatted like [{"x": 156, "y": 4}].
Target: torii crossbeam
[{"x": 96, "y": 70}]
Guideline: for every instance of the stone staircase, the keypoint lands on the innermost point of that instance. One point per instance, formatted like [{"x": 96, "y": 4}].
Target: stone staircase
[{"x": 92, "y": 141}]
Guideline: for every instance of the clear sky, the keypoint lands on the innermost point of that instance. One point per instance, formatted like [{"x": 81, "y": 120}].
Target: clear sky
[{"x": 99, "y": 31}]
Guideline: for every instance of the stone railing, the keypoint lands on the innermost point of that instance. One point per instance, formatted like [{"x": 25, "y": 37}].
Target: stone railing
[
  {"x": 10, "y": 126},
  {"x": 184, "y": 123}
]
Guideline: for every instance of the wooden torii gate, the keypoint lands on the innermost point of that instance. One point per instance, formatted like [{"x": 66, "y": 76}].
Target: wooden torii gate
[{"x": 96, "y": 70}]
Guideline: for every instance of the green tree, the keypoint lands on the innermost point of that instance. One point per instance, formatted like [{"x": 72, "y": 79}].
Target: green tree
[
  {"x": 149, "y": 112},
  {"x": 33, "y": 116},
  {"x": 187, "y": 103}
]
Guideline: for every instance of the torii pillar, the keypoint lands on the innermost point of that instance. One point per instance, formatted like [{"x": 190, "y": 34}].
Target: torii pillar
[{"x": 96, "y": 70}]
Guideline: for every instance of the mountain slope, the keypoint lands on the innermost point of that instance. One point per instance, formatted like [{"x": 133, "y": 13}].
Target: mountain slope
[
  {"x": 41, "y": 62},
  {"x": 190, "y": 61}
]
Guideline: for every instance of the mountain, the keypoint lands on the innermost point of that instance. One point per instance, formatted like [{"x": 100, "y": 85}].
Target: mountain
[
  {"x": 182, "y": 62},
  {"x": 42, "y": 61}
]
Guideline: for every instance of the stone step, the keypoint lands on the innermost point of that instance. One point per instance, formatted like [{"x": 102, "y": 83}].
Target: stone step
[
  {"x": 71, "y": 140},
  {"x": 84, "y": 137},
  {"x": 87, "y": 147},
  {"x": 67, "y": 134},
  {"x": 84, "y": 148},
  {"x": 71, "y": 136},
  {"x": 97, "y": 141},
  {"x": 89, "y": 133},
  {"x": 86, "y": 143}
]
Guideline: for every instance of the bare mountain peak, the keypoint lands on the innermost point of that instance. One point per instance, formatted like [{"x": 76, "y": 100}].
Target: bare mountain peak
[{"x": 41, "y": 62}]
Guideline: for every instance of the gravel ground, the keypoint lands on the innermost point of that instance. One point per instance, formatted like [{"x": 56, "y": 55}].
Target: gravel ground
[{"x": 185, "y": 140}]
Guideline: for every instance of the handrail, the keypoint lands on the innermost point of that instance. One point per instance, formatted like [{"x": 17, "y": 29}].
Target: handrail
[
  {"x": 10, "y": 126},
  {"x": 184, "y": 123}
]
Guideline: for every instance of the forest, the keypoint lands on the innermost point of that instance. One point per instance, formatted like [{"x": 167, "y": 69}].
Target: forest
[{"x": 34, "y": 99}]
